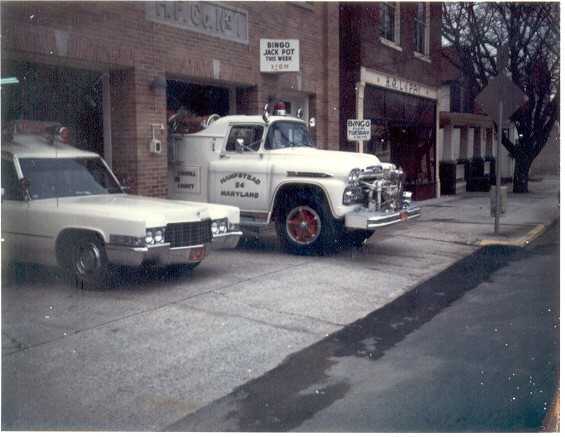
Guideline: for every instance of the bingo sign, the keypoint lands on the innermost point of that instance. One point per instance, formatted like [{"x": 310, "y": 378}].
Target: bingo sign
[
  {"x": 279, "y": 55},
  {"x": 358, "y": 130}
]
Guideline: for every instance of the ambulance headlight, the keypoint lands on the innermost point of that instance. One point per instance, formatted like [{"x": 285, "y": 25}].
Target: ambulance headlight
[
  {"x": 154, "y": 236},
  {"x": 158, "y": 236},
  {"x": 219, "y": 226}
]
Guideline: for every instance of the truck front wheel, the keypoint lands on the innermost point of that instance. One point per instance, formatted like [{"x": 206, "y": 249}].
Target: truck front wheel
[{"x": 305, "y": 225}]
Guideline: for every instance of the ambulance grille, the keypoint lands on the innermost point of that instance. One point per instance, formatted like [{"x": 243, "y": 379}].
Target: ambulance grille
[{"x": 188, "y": 234}]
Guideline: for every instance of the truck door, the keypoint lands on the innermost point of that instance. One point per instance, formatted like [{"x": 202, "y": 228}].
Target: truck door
[{"x": 240, "y": 176}]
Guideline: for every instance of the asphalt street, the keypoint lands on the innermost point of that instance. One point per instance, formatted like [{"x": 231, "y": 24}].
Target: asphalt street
[
  {"x": 161, "y": 345},
  {"x": 474, "y": 349}
]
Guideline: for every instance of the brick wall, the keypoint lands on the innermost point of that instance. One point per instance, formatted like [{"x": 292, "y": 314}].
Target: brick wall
[
  {"x": 117, "y": 38},
  {"x": 360, "y": 46}
]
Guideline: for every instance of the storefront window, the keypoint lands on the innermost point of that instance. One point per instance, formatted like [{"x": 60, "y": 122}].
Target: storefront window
[{"x": 403, "y": 132}]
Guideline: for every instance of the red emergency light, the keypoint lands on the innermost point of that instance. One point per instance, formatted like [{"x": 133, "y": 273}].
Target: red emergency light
[{"x": 279, "y": 108}]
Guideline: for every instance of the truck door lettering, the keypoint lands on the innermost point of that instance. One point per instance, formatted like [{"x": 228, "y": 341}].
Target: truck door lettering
[
  {"x": 245, "y": 176},
  {"x": 186, "y": 180},
  {"x": 185, "y": 186},
  {"x": 226, "y": 193}
]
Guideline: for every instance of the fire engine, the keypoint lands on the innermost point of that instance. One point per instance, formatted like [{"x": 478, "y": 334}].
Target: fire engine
[{"x": 269, "y": 167}]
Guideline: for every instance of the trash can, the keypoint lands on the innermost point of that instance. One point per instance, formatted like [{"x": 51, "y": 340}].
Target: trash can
[
  {"x": 447, "y": 177},
  {"x": 503, "y": 197}
]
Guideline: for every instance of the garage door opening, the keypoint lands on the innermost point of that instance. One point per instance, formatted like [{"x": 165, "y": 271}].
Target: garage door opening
[
  {"x": 198, "y": 100},
  {"x": 71, "y": 96}
]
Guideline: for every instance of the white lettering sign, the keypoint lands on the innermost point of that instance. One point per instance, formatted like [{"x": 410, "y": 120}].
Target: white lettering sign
[
  {"x": 358, "y": 130},
  {"x": 279, "y": 55}
]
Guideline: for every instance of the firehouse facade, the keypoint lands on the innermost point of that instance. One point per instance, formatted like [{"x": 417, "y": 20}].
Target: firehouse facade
[{"x": 115, "y": 71}]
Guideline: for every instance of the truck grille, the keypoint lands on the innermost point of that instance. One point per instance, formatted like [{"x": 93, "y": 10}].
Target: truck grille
[{"x": 188, "y": 234}]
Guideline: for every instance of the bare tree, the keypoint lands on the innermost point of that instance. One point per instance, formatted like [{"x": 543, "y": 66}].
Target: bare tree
[{"x": 476, "y": 30}]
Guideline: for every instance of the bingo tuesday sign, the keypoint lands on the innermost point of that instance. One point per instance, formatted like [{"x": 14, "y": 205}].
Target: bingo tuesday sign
[{"x": 358, "y": 130}]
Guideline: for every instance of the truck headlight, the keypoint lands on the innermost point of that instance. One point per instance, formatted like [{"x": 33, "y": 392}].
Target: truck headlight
[
  {"x": 353, "y": 176},
  {"x": 353, "y": 195}
]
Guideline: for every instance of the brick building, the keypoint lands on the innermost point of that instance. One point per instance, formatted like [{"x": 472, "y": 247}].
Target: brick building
[
  {"x": 390, "y": 58},
  {"x": 111, "y": 70}
]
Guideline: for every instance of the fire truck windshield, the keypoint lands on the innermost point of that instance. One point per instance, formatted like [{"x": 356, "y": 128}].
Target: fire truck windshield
[{"x": 284, "y": 134}]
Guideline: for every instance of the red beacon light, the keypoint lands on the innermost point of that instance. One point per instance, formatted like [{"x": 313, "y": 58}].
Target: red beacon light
[
  {"x": 279, "y": 108},
  {"x": 64, "y": 134}
]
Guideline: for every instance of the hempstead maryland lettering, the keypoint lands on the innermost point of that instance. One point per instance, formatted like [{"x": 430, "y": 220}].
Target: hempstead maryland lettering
[{"x": 241, "y": 179}]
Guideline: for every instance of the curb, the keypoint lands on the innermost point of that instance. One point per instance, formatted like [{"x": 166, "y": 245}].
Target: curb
[{"x": 519, "y": 242}]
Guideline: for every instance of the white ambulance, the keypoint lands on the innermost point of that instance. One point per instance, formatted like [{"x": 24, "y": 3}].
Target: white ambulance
[{"x": 62, "y": 206}]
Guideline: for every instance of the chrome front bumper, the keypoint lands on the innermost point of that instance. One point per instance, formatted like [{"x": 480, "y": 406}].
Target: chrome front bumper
[
  {"x": 226, "y": 241},
  {"x": 164, "y": 255},
  {"x": 365, "y": 219},
  {"x": 158, "y": 256}
]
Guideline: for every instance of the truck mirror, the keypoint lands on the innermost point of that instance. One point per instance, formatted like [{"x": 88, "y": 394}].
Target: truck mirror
[{"x": 266, "y": 114}]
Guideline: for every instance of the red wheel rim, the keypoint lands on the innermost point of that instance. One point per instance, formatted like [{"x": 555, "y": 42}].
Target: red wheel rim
[{"x": 303, "y": 225}]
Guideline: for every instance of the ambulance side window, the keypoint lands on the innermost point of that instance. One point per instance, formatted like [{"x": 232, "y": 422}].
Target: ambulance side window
[
  {"x": 10, "y": 184},
  {"x": 251, "y": 136}
]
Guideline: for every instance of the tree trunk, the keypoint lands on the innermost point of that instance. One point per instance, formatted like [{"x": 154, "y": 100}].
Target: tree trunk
[{"x": 521, "y": 171}]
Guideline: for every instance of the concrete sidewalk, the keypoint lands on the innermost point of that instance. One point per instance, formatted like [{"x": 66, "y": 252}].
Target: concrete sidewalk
[{"x": 527, "y": 215}]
